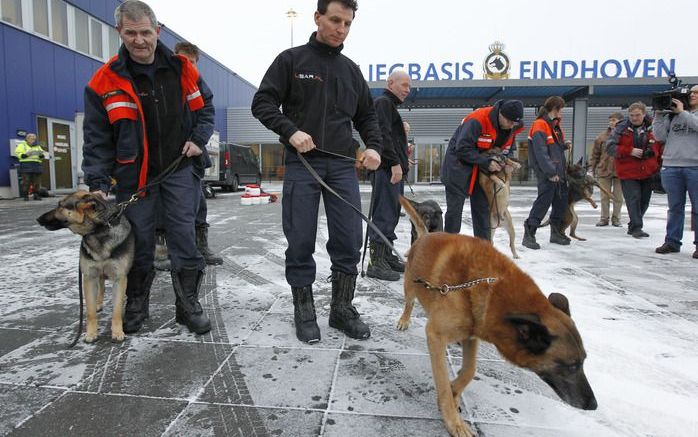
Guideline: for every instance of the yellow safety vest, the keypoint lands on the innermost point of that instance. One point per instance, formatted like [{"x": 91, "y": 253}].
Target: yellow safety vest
[{"x": 24, "y": 149}]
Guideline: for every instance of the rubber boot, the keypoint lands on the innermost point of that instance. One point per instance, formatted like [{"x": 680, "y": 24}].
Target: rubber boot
[
  {"x": 137, "y": 299},
  {"x": 378, "y": 265},
  {"x": 187, "y": 283},
  {"x": 557, "y": 236},
  {"x": 343, "y": 315},
  {"x": 162, "y": 257},
  {"x": 393, "y": 261},
  {"x": 202, "y": 244},
  {"x": 529, "y": 239},
  {"x": 304, "y": 316}
]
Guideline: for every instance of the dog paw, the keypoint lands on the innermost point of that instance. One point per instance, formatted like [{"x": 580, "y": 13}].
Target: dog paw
[
  {"x": 118, "y": 336},
  {"x": 459, "y": 428},
  {"x": 99, "y": 308},
  {"x": 90, "y": 338},
  {"x": 402, "y": 325}
]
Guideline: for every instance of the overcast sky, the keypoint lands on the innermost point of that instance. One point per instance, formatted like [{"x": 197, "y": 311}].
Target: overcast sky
[{"x": 246, "y": 35}]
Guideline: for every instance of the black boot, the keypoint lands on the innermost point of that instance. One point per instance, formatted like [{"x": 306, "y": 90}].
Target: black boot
[
  {"x": 304, "y": 317},
  {"x": 37, "y": 197},
  {"x": 393, "y": 261},
  {"x": 343, "y": 315},
  {"x": 378, "y": 265},
  {"x": 557, "y": 236},
  {"x": 162, "y": 257},
  {"x": 137, "y": 299},
  {"x": 187, "y": 283},
  {"x": 529, "y": 239},
  {"x": 202, "y": 244}
]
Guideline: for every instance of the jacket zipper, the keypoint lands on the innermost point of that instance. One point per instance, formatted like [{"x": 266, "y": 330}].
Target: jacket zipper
[{"x": 324, "y": 111}]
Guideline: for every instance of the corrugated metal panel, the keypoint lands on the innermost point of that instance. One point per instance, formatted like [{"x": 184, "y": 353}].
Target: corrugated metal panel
[{"x": 243, "y": 128}]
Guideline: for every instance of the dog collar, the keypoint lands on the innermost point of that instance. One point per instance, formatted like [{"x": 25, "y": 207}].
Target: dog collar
[{"x": 444, "y": 289}]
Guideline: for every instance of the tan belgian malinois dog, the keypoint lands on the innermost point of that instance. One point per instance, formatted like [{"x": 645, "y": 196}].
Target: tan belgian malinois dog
[
  {"x": 106, "y": 252},
  {"x": 472, "y": 292}
]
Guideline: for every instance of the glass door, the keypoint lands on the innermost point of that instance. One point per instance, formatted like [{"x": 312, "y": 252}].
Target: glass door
[
  {"x": 57, "y": 138},
  {"x": 429, "y": 158}
]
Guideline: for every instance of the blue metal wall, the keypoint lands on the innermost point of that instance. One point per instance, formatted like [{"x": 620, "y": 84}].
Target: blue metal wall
[{"x": 38, "y": 77}]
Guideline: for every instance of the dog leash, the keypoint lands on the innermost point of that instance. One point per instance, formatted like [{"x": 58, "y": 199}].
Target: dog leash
[
  {"x": 444, "y": 289},
  {"x": 370, "y": 216},
  {"x": 317, "y": 177},
  {"x": 82, "y": 307}
]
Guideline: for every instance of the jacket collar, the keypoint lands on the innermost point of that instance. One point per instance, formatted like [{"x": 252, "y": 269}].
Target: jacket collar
[
  {"x": 393, "y": 98},
  {"x": 323, "y": 48},
  {"x": 163, "y": 56}
]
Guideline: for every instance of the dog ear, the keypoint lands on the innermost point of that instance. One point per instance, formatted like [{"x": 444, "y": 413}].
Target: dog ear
[
  {"x": 581, "y": 162},
  {"x": 560, "y": 302},
  {"x": 532, "y": 334}
]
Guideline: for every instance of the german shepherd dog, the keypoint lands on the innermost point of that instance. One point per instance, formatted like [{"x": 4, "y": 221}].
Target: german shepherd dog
[
  {"x": 580, "y": 187},
  {"x": 497, "y": 188},
  {"x": 502, "y": 305},
  {"x": 106, "y": 252},
  {"x": 431, "y": 215}
]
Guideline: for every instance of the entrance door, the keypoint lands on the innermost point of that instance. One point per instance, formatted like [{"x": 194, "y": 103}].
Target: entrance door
[
  {"x": 429, "y": 158},
  {"x": 59, "y": 135}
]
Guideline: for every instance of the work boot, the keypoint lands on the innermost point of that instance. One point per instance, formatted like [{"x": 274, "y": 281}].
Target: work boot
[
  {"x": 393, "y": 261},
  {"x": 557, "y": 236},
  {"x": 137, "y": 299},
  {"x": 378, "y": 266},
  {"x": 667, "y": 248},
  {"x": 202, "y": 244},
  {"x": 615, "y": 222},
  {"x": 162, "y": 258},
  {"x": 187, "y": 283},
  {"x": 343, "y": 315},
  {"x": 37, "y": 197},
  {"x": 529, "y": 239},
  {"x": 639, "y": 233},
  {"x": 602, "y": 223},
  {"x": 304, "y": 316}
]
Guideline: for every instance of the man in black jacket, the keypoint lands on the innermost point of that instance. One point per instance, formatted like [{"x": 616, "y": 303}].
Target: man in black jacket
[
  {"x": 388, "y": 180},
  {"x": 135, "y": 127},
  {"x": 322, "y": 92}
]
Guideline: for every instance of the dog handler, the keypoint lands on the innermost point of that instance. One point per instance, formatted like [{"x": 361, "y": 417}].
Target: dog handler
[
  {"x": 143, "y": 109},
  {"x": 483, "y": 129},
  {"x": 388, "y": 180},
  {"x": 322, "y": 92}
]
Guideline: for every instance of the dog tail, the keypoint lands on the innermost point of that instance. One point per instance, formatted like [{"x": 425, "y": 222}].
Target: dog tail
[{"x": 414, "y": 217}]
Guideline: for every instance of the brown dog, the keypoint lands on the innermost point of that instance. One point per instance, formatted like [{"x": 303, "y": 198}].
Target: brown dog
[
  {"x": 501, "y": 305},
  {"x": 106, "y": 252},
  {"x": 497, "y": 189}
]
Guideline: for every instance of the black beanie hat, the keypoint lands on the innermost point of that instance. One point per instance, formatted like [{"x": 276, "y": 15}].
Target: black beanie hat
[{"x": 512, "y": 110}]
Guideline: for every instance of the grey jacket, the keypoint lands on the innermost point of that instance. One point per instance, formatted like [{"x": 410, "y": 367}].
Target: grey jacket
[{"x": 680, "y": 137}]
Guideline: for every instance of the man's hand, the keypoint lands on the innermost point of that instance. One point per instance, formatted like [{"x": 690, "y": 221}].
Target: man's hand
[
  {"x": 555, "y": 178},
  {"x": 494, "y": 167},
  {"x": 372, "y": 160},
  {"x": 302, "y": 141},
  {"x": 100, "y": 193},
  {"x": 396, "y": 176},
  {"x": 190, "y": 149},
  {"x": 637, "y": 153},
  {"x": 678, "y": 106}
]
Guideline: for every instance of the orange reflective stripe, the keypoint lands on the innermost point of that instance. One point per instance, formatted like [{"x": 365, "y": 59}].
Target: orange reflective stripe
[{"x": 188, "y": 80}]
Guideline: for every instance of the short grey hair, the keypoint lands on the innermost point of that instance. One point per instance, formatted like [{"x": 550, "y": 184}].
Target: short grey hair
[{"x": 134, "y": 10}]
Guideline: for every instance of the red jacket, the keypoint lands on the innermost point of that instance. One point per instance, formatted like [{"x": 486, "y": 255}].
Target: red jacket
[{"x": 624, "y": 140}]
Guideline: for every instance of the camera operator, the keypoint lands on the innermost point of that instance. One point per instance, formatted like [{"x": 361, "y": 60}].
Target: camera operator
[
  {"x": 678, "y": 129},
  {"x": 636, "y": 159}
]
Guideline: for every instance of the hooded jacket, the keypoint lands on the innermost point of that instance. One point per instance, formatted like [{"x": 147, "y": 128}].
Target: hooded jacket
[{"x": 627, "y": 137}]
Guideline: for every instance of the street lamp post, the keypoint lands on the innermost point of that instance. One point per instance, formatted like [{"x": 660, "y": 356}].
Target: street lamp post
[{"x": 291, "y": 14}]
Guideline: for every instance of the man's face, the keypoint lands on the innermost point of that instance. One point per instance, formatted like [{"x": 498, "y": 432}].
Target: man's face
[
  {"x": 140, "y": 39},
  {"x": 400, "y": 86},
  {"x": 612, "y": 122},
  {"x": 505, "y": 123},
  {"x": 333, "y": 26},
  {"x": 30, "y": 139},
  {"x": 636, "y": 116},
  {"x": 693, "y": 99}
]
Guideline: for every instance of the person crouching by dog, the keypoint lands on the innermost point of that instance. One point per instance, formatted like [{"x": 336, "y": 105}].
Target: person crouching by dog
[
  {"x": 136, "y": 127},
  {"x": 388, "y": 179},
  {"x": 679, "y": 132},
  {"x": 546, "y": 155},
  {"x": 481, "y": 130},
  {"x": 636, "y": 159},
  {"x": 30, "y": 157},
  {"x": 604, "y": 171}
]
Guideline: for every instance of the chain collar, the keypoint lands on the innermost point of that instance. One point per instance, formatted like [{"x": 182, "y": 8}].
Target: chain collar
[{"x": 445, "y": 288}]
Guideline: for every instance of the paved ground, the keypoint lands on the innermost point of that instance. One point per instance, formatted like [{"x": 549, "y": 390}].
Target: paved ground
[{"x": 637, "y": 312}]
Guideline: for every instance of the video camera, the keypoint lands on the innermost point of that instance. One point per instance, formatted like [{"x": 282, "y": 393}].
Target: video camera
[{"x": 661, "y": 101}]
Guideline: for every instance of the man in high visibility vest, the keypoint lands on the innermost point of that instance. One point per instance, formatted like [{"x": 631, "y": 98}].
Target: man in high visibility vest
[{"x": 30, "y": 157}]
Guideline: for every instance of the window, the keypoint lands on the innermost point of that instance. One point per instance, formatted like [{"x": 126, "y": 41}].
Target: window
[
  {"x": 96, "y": 38},
  {"x": 59, "y": 21},
  {"x": 41, "y": 17},
  {"x": 82, "y": 32},
  {"x": 12, "y": 11},
  {"x": 114, "y": 41}
]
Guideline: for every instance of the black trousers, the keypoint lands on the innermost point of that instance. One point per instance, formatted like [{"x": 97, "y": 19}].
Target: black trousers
[
  {"x": 549, "y": 194},
  {"x": 300, "y": 206},
  {"x": 386, "y": 205},
  {"x": 479, "y": 211},
  {"x": 637, "y": 194}
]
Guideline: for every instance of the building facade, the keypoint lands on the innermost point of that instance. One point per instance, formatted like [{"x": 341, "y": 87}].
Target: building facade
[{"x": 49, "y": 49}]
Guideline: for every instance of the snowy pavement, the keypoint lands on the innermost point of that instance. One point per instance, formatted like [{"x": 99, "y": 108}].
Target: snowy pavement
[{"x": 637, "y": 312}]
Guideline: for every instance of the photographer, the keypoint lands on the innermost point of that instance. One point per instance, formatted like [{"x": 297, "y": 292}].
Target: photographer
[
  {"x": 636, "y": 159},
  {"x": 679, "y": 131}
]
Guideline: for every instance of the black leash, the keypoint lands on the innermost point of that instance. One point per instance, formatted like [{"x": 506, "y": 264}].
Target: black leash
[
  {"x": 111, "y": 218},
  {"x": 317, "y": 177},
  {"x": 370, "y": 216}
]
